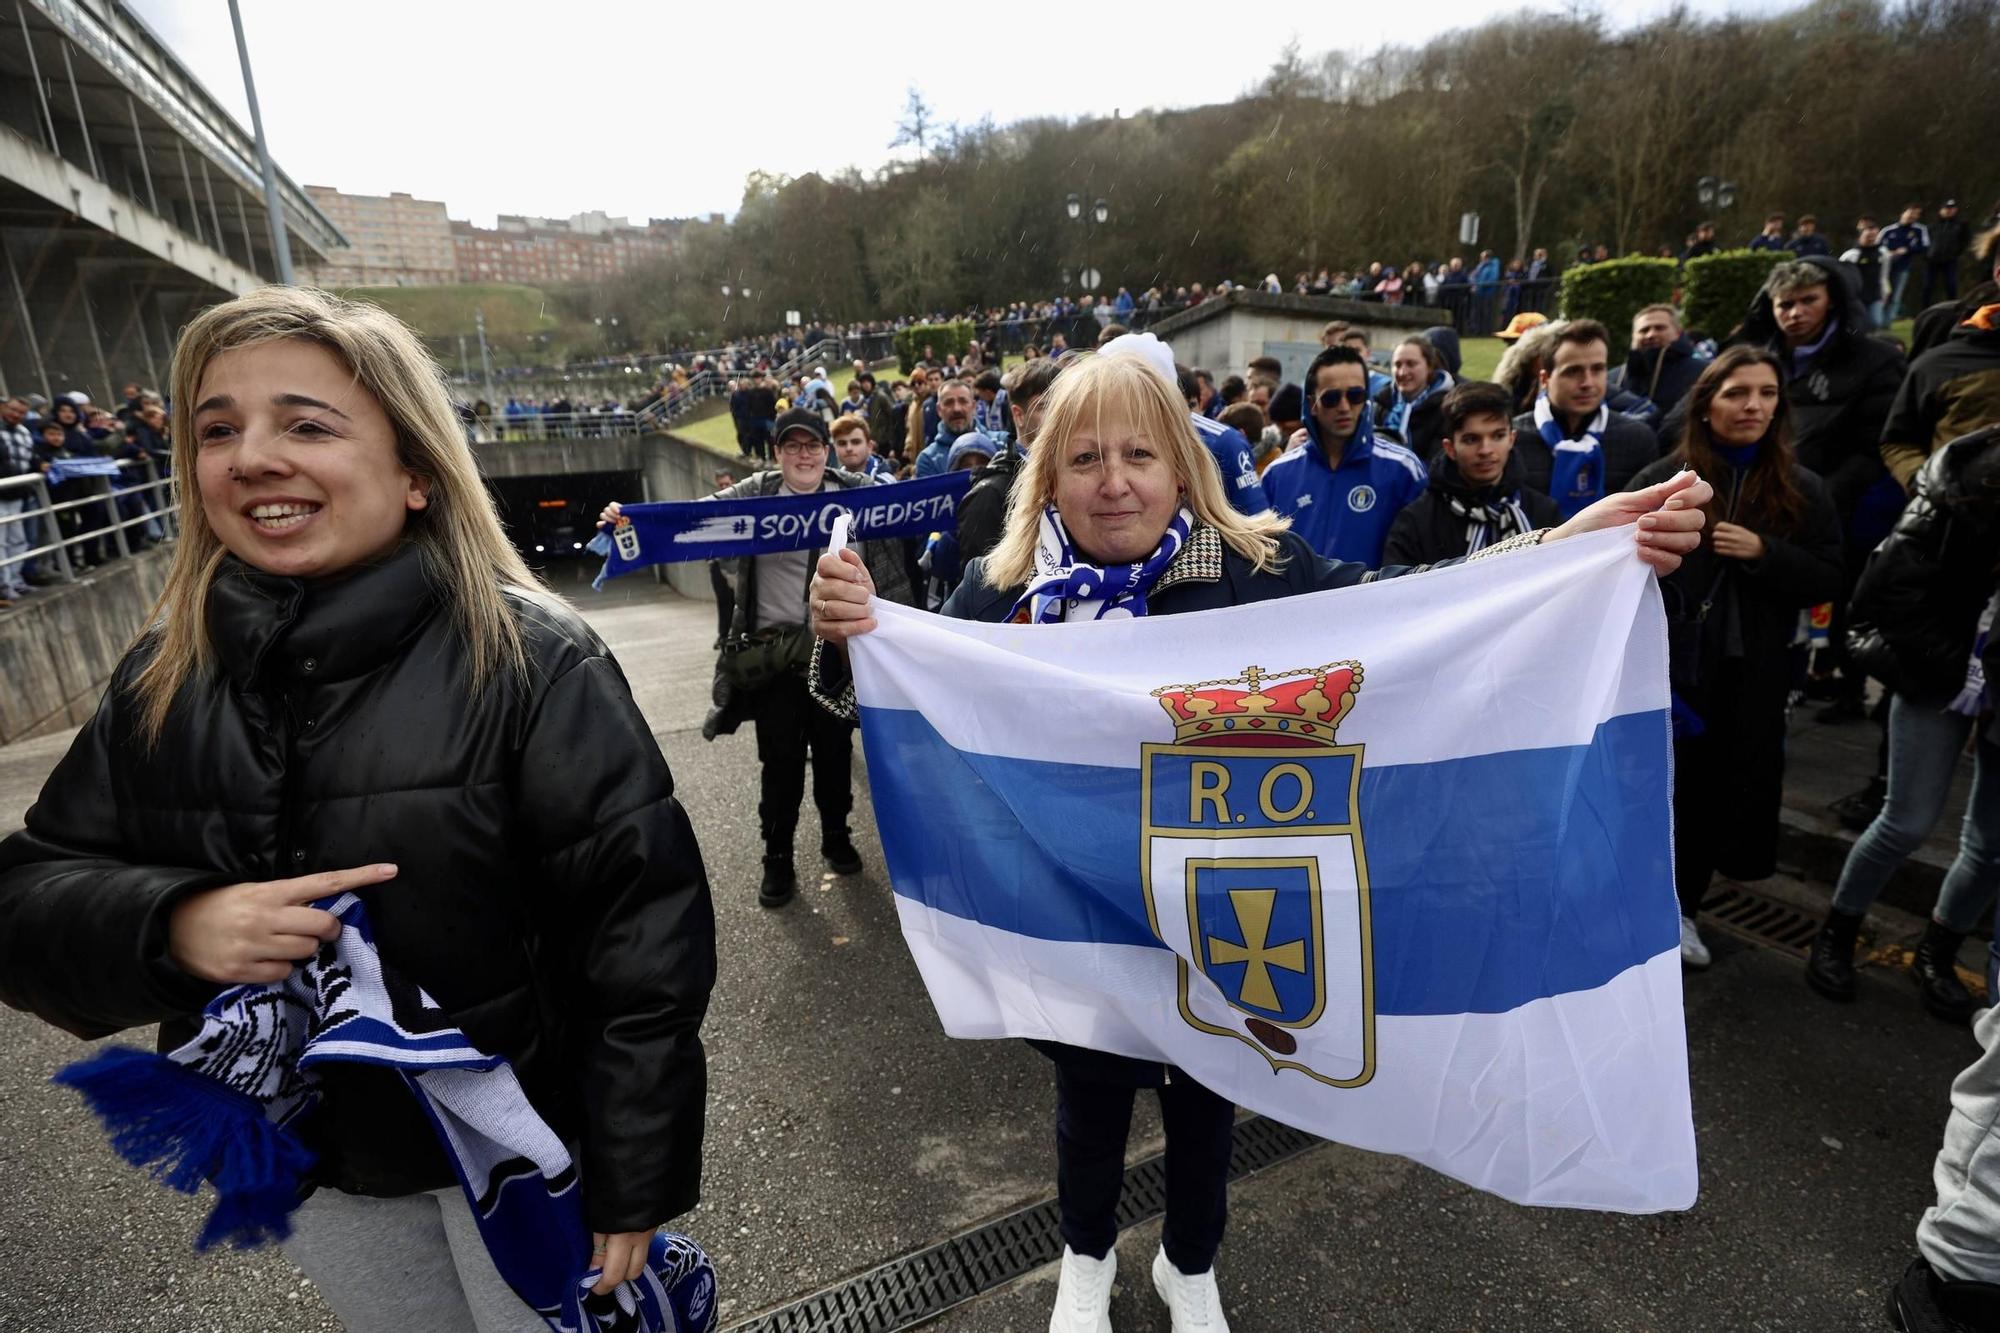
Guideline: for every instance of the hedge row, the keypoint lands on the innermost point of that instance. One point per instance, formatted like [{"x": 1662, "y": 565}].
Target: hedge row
[
  {"x": 1617, "y": 289},
  {"x": 943, "y": 339},
  {"x": 1721, "y": 286}
]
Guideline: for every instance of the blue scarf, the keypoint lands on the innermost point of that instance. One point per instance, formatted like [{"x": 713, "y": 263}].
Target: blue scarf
[
  {"x": 1402, "y": 409},
  {"x": 1576, "y": 474},
  {"x": 1738, "y": 456},
  {"x": 220, "y": 1109},
  {"x": 1062, "y": 583}
]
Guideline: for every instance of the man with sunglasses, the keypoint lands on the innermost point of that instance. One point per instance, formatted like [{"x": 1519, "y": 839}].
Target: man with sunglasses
[{"x": 1344, "y": 486}]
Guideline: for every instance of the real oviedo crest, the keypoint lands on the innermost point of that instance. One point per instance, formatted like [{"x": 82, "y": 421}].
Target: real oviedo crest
[{"x": 1253, "y": 867}]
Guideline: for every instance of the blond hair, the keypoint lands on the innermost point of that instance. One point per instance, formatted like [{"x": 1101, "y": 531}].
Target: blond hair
[
  {"x": 1130, "y": 394},
  {"x": 465, "y": 550}
]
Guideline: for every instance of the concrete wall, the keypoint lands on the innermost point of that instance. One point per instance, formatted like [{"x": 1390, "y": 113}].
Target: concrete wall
[
  {"x": 58, "y": 648},
  {"x": 1230, "y": 341},
  {"x": 679, "y": 469}
]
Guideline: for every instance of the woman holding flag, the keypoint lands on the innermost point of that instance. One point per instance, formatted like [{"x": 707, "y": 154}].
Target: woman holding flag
[
  {"x": 360, "y": 766},
  {"x": 1120, "y": 511}
]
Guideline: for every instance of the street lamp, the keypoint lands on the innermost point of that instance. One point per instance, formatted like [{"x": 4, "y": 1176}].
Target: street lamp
[
  {"x": 1711, "y": 190},
  {"x": 1100, "y": 213}
]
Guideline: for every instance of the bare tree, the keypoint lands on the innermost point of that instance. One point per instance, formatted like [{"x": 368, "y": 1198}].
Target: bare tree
[{"x": 918, "y": 124}]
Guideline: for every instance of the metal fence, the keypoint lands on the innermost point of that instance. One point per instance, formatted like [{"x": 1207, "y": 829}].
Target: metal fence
[{"x": 66, "y": 524}]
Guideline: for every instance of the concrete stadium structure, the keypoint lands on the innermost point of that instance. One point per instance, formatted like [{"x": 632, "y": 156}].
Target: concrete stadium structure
[{"x": 128, "y": 199}]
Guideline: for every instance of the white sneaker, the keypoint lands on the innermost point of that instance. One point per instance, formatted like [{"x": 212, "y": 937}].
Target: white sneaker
[
  {"x": 1083, "y": 1297},
  {"x": 1693, "y": 952},
  {"x": 1194, "y": 1302}
]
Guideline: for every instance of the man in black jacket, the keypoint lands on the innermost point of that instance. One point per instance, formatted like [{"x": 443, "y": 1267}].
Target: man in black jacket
[
  {"x": 1475, "y": 497},
  {"x": 1571, "y": 412},
  {"x": 1949, "y": 235},
  {"x": 1662, "y": 365}
]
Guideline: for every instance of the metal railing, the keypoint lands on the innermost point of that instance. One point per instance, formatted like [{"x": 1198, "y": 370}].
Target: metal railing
[
  {"x": 95, "y": 513},
  {"x": 533, "y": 424}
]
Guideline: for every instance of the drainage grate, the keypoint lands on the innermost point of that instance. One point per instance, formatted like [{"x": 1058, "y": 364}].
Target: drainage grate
[
  {"x": 1761, "y": 920},
  {"x": 923, "y": 1285}
]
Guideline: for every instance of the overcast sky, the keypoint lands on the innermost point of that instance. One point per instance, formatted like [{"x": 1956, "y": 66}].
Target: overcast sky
[{"x": 654, "y": 109}]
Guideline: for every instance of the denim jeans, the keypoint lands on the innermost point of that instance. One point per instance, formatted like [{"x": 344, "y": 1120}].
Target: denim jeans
[
  {"x": 1877, "y": 316},
  {"x": 1924, "y": 745},
  {"x": 1899, "y": 278},
  {"x": 15, "y": 538}
]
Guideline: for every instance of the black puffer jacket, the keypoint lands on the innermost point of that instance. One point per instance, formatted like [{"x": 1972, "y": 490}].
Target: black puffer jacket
[
  {"x": 1916, "y": 608},
  {"x": 1839, "y": 404},
  {"x": 551, "y": 897}
]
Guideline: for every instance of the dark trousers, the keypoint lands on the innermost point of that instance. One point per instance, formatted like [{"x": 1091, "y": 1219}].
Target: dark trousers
[
  {"x": 1728, "y": 783},
  {"x": 789, "y": 725},
  {"x": 1092, "y": 1121},
  {"x": 1944, "y": 274},
  {"x": 725, "y": 599}
]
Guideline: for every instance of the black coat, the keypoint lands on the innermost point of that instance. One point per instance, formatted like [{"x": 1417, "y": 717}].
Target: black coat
[
  {"x": 1663, "y": 376},
  {"x": 551, "y": 897},
  {"x": 1744, "y": 663},
  {"x": 1206, "y": 576},
  {"x": 1423, "y": 429},
  {"x": 1629, "y": 444},
  {"x": 1916, "y": 607},
  {"x": 1427, "y": 531},
  {"x": 1839, "y": 404}
]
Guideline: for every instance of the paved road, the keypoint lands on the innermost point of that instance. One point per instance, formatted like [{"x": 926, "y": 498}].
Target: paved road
[{"x": 844, "y": 1130}]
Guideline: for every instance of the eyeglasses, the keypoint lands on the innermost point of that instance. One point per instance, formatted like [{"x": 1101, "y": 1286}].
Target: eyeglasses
[
  {"x": 1355, "y": 396},
  {"x": 800, "y": 447}
]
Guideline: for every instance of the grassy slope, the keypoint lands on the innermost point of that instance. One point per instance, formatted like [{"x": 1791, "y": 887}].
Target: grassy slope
[{"x": 443, "y": 312}]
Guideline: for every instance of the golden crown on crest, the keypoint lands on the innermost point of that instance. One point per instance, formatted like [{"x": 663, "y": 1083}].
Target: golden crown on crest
[{"x": 1281, "y": 709}]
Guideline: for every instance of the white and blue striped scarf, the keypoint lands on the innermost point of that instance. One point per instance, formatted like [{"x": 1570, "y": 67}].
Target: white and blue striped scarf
[
  {"x": 1065, "y": 588},
  {"x": 1401, "y": 409},
  {"x": 1576, "y": 468},
  {"x": 220, "y": 1109}
]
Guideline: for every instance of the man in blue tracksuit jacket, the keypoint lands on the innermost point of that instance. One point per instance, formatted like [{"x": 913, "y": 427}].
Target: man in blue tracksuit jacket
[
  {"x": 1905, "y": 243},
  {"x": 1236, "y": 463},
  {"x": 1344, "y": 487}
]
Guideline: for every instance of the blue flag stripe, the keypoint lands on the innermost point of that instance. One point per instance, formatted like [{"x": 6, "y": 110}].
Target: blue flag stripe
[{"x": 1492, "y": 879}]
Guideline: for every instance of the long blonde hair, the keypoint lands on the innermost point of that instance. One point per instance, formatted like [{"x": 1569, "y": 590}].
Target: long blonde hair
[
  {"x": 465, "y": 550},
  {"x": 1126, "y": 392}
]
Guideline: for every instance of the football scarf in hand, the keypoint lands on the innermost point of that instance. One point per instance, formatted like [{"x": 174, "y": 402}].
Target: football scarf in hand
[{"x": 218, "y": 1108}]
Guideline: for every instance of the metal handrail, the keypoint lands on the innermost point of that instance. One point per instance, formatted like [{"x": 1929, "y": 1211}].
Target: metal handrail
[{"x": 152, "y": 499}]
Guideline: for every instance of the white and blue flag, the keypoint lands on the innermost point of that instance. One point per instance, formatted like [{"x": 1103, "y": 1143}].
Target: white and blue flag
[{"x": 1391, "y": 864}]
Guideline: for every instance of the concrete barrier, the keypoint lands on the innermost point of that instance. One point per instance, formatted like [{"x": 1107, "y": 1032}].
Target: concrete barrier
[{"x": 58, "y": 648}]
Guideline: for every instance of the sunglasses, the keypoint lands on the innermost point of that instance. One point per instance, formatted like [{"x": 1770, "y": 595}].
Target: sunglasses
[{"x": 1355, "y": 397}]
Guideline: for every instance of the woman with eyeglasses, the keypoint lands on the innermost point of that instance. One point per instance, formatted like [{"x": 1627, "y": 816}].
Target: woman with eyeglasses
[{"x": 1120, "y": 493}]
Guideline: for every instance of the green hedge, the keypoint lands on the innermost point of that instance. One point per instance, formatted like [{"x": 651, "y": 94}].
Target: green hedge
[
  {"x": 1721, "y": 286},
  {"x": 945, "y": 340},
  {"x": 1617, "y": 289}
]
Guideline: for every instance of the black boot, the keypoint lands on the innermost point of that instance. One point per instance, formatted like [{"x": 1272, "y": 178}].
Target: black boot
[
  {"x": 781, "y": 880},
  {"x": 1936, "y": 970},
  {"x": 1925, "y": 1301},
  {"x": 1857, "y": 810},
  {"x": 1830, "y": 966},
  {"x": 837, "y": 846}
]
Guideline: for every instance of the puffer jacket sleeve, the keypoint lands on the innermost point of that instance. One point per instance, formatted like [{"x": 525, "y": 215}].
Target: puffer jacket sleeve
[
  {"x": 627, "y": 937},
  {"x": 83, "y": 924}
]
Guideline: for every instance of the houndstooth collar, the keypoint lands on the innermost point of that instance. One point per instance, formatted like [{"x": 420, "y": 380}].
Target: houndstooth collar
[{"x": 1200, "y": 560}]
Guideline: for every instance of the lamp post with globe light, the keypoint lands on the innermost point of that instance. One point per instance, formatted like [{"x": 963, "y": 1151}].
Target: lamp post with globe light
[{"x": 1099, "y": 214}]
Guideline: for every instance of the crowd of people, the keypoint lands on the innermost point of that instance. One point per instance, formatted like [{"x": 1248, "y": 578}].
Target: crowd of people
[
  {"x": 43, "y": 437},
  {"x": 1847, "y": 477},
  {"x": 1797, "y": 470}
]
